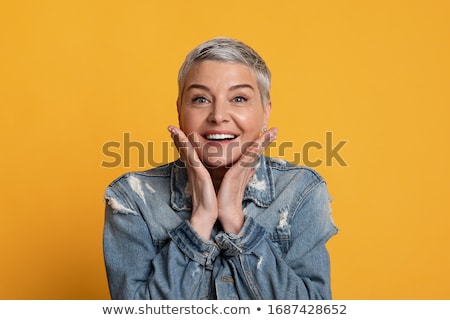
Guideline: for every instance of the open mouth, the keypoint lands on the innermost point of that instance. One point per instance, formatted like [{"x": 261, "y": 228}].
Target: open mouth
[{"x": 220, "y": 137}]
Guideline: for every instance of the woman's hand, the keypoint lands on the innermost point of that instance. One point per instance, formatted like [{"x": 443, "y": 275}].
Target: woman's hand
[
  {"x": 204, "y": 202},
  {"x": 231, "y": 192}
]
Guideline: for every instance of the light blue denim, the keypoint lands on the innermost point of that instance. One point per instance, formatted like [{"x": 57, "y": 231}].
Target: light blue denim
[{"x": 151, "y": 250}]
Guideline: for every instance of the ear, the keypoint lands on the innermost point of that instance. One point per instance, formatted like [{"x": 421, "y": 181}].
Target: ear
[
  {"x": 267, "y": 110},
  {"x": 178, "y": 111}
]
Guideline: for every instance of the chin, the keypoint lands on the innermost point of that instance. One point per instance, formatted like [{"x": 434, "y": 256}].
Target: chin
[
  {"x": 214, "y": 163},
  {"x": 218, "y": 158}
]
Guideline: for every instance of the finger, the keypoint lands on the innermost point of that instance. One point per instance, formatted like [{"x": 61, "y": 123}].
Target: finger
[
  {"x": 266, "y": 138},
  {"x": 194, "y": 139},
  {"x": 260, "y": 144},
  {"x": 184, "y": 145},
  {"x": 255, "y": 149},
  {"x": 179, "y": 139}
]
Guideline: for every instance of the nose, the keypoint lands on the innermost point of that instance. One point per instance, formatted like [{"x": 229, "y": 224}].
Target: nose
[{"x": 219, "y": 112}]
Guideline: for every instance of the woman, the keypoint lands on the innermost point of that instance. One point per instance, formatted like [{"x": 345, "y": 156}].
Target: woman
[{"x": 223, "y": 221}]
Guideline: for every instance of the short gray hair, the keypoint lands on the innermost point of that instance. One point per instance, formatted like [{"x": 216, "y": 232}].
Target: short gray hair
[{"x": 227, "y": 50}]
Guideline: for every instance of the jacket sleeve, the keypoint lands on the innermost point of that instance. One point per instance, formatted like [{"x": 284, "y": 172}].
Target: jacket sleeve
[
  {"x": 262, "y": 272},
  {"x": 136, "y": 269}
]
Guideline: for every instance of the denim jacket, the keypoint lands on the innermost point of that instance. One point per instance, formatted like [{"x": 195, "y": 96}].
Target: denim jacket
[{"x": 151, "y": 250}]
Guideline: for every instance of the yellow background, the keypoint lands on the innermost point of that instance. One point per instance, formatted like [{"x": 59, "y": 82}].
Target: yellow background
[{"x": 77, "y": 74}]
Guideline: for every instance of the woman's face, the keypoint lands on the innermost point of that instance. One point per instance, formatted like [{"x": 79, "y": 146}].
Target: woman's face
[{"x": 222, "y": 104}]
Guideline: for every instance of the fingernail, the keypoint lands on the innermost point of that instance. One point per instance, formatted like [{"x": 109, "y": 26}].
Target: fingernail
[{"x": 273, "y": 136}]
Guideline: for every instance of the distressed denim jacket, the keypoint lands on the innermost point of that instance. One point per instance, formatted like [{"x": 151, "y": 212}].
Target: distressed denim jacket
[{"x": 151, "y": 250}]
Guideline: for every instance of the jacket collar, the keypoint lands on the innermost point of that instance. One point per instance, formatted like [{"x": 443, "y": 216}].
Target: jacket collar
[{"x": 259, "y": 190}]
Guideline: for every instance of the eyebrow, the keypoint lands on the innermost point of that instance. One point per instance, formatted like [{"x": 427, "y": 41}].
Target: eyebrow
[
  {"x": 238, "y": 86},
  {"x": 244, "y": 85}
]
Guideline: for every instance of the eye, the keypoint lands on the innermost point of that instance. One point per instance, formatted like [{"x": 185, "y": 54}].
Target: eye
[
  {"x": 239, "y": 99},
  {"x": 200, "y": 100}
]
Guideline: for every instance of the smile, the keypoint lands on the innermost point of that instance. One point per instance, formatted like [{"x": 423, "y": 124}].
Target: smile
[{"x": 220, "y": 136}]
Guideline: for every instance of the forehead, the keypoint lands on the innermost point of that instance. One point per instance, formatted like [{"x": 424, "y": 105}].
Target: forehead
[{"x": 220, "y": 72}]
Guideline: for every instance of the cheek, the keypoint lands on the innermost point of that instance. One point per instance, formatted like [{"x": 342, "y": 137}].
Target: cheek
[
  {"x": 188, "y": 123},
  {"x": 252, "y": 124}
]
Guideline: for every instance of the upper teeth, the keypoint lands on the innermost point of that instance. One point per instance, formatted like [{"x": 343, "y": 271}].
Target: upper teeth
[{"x": 219, "y": 136}]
